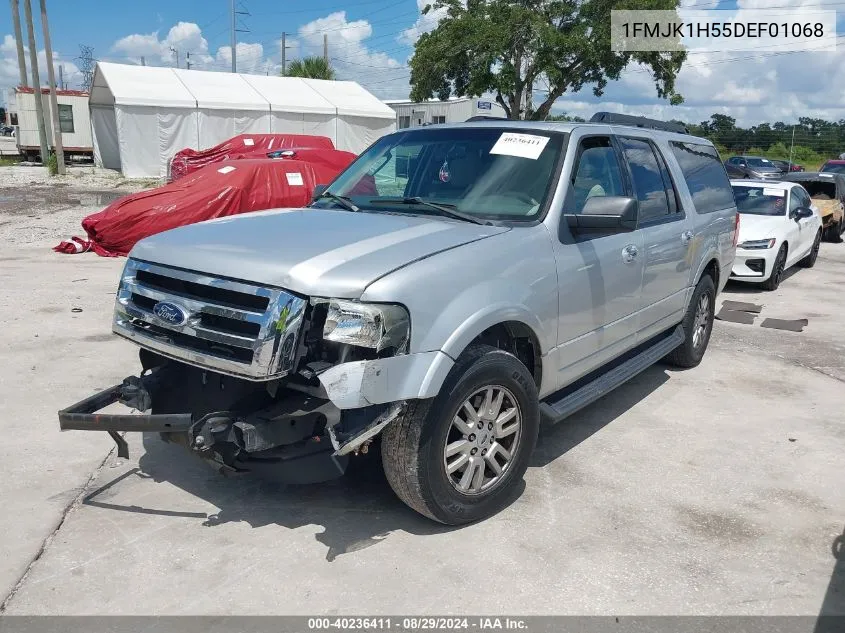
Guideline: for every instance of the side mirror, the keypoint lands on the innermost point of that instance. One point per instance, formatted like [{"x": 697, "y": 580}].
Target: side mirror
[
  {"x": 802, "y": 212},
  {"x": 318, "y": 191},
  {"x": 604, "y": 214}
]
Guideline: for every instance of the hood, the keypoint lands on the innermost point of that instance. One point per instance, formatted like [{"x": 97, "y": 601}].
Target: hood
[
  {"x": 315, "y": 252},
  {"x": 759, "y": 227}
]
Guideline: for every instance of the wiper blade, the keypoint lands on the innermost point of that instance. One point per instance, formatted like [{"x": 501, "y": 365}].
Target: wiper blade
[
  {"x": 442, "y": 209},
  {"x": 343, "y": 201}
]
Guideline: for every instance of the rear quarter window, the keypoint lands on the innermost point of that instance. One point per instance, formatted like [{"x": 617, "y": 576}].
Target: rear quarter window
[{"x": 705, "y": 176}]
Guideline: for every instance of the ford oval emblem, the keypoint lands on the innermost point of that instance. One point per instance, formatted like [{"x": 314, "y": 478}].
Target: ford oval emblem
[{"x": 170, "y": 313}]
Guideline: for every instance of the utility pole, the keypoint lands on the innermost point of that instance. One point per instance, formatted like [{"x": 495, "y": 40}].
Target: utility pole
[
  {"x": 86, "y": 66},
  {"x": 61, "y": 77},
  {"x": 54, "y": 104},
  {"x": 235, "y": 30},
  {"x": 284, "y": 55},
  {"x": 143, "y": 61},
  {"x": 326, "y": 48},
  {"x": 188, "y": 62},
  {"x": 234, "y": 40},
  {"x": 36, "y": 82},
  {"x": 16, "y": 20},
  {"x": 173, "y": 50}
]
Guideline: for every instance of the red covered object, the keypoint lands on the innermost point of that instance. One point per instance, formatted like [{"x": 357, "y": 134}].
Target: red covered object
[
  {"x": 219, "y": 190},
  {"x": 188, "y": 161}
]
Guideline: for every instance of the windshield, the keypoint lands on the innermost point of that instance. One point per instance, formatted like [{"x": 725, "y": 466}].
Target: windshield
[
  {"x": 485, "y": 172},
  {"x": 834, "y": 168},
  {"x": 761, "y": 162},
  {"x": 760, "y": 200}
]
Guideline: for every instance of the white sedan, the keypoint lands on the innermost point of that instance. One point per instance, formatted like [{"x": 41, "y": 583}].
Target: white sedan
[{"x": 779, "y": 227}]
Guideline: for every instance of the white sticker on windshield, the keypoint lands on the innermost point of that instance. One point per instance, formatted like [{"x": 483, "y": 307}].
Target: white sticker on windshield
[
  {"x": 522, "y": 145},
  {"x": 226, "y": 169},
  {"x": 249, "y": 141},
  {"x": 779, "y": 193},
  {"x": 294, "y": 179}
]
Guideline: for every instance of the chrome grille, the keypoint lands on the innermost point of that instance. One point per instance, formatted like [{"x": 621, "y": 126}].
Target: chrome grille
[{"x": 229, "y": 326}]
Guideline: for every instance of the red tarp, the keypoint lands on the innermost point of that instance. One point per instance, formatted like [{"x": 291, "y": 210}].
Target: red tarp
[
  {"x": 187, "y": 161},
  {"x": 222, "y": 189}
]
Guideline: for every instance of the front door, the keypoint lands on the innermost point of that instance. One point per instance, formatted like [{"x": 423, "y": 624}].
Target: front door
[
  {"x": 803, "y": 230},
  {"x": 599, "y": 275},
  {"x": 667, "y": 232}
]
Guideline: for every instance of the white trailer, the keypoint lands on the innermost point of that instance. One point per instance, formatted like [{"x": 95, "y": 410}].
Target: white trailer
[
  {"x": 74, "y": 121},
  {"x": 455, "y": 110}
]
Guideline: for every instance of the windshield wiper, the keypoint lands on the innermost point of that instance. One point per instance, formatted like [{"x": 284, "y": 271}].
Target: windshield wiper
[
  {"x": 343, "y": 201},
  {"x": 443, "y": 209}
]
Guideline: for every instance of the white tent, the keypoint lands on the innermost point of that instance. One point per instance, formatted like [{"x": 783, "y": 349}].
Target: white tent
[{"x": 142, "y": 115}]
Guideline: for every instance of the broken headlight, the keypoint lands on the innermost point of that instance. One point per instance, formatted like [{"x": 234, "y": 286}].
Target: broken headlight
[{"x": 377, "y": 326}]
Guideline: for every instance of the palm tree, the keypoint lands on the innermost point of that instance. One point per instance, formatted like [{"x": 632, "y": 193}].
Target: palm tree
[{"x": 311, "y": 68}]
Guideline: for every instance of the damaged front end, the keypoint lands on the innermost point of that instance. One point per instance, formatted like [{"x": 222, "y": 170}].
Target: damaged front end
[
  {"x": 251, "y": 377},
  {"x": 235, "y": 424}
]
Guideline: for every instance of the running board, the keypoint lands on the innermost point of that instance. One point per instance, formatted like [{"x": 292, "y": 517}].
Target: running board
[{"x": 553, "y": 412}]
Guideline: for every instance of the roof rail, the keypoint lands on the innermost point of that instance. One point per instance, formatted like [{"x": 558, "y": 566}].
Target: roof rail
[
  {"x": 612, "y": 118},
  {"x": 483, "y": 117}
]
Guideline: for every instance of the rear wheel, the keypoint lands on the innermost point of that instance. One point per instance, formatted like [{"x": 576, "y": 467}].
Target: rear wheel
[
  {"x": 810, "y": 260},
  {"x": 778, "y": 268},
  {"x": 457, "y": 458},
  {"x": 698, "y": 324}
]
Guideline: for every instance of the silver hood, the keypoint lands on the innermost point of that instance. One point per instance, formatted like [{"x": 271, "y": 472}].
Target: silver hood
[{"x": 315, "y": 252}]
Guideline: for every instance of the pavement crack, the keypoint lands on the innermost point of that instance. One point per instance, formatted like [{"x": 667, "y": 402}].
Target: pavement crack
[{"x": 77, "y": 500}]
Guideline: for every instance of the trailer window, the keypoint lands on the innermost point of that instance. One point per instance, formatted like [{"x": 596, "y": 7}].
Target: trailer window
[{"x": 66, "y": 119}]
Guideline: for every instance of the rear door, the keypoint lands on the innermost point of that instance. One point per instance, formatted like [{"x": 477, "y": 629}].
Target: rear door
[{"x": 667, "y": 234}]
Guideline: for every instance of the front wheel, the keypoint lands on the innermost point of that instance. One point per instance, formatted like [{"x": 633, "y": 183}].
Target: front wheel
[
  {"x": 778, "y": 268},
  {"x": 457, "y": 458},
  {"x": 698, "y": 324}
]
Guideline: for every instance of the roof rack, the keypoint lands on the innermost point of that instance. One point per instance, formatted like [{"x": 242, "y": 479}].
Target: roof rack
[
  {"x": 483, "y": 117},
  {"x": 638, "y": 121}
]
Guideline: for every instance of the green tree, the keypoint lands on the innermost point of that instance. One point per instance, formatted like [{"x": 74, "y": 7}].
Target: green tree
[
  {"x": 507, "y": 47},
  {"x": 311, "y": 68}
]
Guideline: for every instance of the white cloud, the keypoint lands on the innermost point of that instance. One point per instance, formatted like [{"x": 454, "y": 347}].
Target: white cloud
[
  {"x": 10, "y": 74},
  {"x": 423, "y": 24},
  {"x": 351, "y": 57}
]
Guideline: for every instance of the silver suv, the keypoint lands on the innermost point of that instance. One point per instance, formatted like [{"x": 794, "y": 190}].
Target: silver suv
[{"x": 454, "y": 287}]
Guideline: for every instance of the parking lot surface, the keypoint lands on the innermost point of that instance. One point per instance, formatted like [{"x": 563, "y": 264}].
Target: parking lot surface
[{"x": 717, "y": 490}]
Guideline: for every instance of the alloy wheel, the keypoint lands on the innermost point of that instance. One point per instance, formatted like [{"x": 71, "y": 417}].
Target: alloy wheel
[
  {"x": 482, "y": 440},
  {"x": 702, "y": 318}
]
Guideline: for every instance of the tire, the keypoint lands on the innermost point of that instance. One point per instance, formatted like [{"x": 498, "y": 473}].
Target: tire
[
  {"x": 810, "y": 260},
  {"x": 414, "y": 446},
  {"x": 834, "y": 232},
  {"x": 778, "y": 268},
  {"x": 698, "y": 325}
]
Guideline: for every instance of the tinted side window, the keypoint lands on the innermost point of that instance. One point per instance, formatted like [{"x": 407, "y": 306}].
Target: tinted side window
[
  {"x": 705, "y": 176},
  {"x": 803, "y": 196},
  {"x": 596, "y": 173},
  {"x": 648, "y": 181},
  {"x": 795, "y": 200}
]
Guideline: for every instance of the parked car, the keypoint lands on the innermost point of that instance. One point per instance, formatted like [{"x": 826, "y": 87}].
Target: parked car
[
  {"x": 443, "y": 313},
  {"x": 754, "y": 167},
  {"x": 786, "y": 167},
  {"x": 833, "y": 167},
  {"x": 827, "y": 191},
  {"x": 779, "y": 227},
  {"x": 7, "y": 130}
]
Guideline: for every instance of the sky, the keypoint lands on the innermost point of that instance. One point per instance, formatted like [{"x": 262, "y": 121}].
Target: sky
[{"x": 371, "y": 41}]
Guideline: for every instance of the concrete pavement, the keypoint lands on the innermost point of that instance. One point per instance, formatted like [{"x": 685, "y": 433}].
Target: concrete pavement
[{"x": 711, "y": 491}]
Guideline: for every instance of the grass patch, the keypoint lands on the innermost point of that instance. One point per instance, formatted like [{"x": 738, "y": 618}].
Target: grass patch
[{"x": 7, "y": 161}]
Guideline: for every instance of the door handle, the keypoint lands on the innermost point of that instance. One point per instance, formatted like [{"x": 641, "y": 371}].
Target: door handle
[
  {"x": 629, "y": 253},
  {"x": 686, "y": 237}
]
